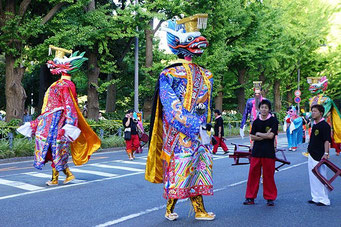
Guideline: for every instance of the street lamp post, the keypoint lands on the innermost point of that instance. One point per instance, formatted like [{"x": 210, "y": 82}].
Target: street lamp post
[
  {"x": 298, "y": 85},
  {"x": 136, "y": 79}
]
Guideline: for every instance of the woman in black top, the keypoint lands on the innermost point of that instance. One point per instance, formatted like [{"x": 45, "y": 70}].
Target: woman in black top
[
  {"x": 130, "y": 124},
  {"x": 263, "y": 132}
]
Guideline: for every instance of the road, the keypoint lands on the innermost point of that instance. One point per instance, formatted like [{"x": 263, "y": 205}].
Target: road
[{"x": 110, "y": 190}]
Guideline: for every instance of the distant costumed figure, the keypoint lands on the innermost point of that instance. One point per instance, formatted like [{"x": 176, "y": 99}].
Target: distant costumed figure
[
  {"x": 61, "y": 124},
  {"x": 293, "y": 125},
  {"x": 180, "y": 141},
  {"x": 251, "y": 107},
  {"x": 331, "y": 114}
]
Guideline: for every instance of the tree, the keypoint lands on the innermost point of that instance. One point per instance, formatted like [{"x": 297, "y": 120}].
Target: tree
[{"x": 20, "y": 21}]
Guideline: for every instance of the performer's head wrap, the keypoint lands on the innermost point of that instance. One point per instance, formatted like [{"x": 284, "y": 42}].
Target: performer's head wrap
[
  {"x": 292, "y": 111},
  {"x": 257, "y": 88},
  {"x": 317, "y": 84},
  {"x": 62, "y": 64},
  {"x": 183, "y": 36}
]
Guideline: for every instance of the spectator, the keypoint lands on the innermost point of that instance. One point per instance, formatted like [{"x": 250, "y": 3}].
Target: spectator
[
  {"x": 140, "y": 131},
  {"x": 132, "y": 141},
  {"x": 219, "y": 132},
  {"x": 100, "y": 117},
  {"x": 27, "y": 116},
  {"x": 85, "y": 109}
]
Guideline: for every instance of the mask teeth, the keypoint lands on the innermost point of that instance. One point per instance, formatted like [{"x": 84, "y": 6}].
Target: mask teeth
[
  {"x": 202, "y": 23},
  {"x": 50, "y": 51}
]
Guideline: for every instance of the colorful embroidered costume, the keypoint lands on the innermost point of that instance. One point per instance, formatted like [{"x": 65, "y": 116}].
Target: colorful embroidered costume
[
  {"x": 179, "y": 151},
  {"x": 293, "y": 125},
  {"x": 61, "y": 123},
  {"x": 331, "y": 113}
]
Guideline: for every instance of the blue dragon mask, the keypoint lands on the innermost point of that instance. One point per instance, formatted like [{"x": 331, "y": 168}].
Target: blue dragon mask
[{"x": 186, "y": 41}]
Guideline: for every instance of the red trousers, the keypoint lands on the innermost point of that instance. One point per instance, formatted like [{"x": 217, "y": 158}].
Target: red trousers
[
  {"x": 269, "y": 186},
  {"x": 133, "y": 143},
  {"x": 221, "y": 143}
]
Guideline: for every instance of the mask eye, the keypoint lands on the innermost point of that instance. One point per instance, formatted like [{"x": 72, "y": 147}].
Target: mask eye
[{"x": 189, "y": 39}]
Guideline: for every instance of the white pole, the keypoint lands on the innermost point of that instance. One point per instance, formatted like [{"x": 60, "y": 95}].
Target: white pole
[{"x": 136, "y": 81}]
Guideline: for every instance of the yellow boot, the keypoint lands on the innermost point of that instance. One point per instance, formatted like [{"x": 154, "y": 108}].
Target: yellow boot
[
  {"x": 170, "y": 215},
  {"x": 54, "y": 180},
  {"x": 199, "y": 209},
  {"x": 69, "y": 176}
]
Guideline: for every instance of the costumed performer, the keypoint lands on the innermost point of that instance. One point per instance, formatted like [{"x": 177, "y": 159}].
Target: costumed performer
[
  {"x": 179, "y": 149},
  {"x": 318, "y": 85},
  {"x": 293, "y": 125},
  {"x": 61, "y": 124},
  {"x": 251, "y": 107}
]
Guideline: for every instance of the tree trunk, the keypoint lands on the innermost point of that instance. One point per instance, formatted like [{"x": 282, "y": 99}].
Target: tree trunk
[
  {"x": 277, "y": 96},
  {"x": 241, "y": 90},
  {"x": 45, "y": 80},
  {"x": 149, "y": 33},
  {"x": 263, "y": 79},
  {"x": 289, "y": 95},
  {"x": 93, "y": 73},
  {"x": 14, "y": 91},
  {"x": 149, "y": 45},
  {"x": 110, "y": 104},
  {"x": 219, "y": 101},
  {"x": 147, "y": 108}
]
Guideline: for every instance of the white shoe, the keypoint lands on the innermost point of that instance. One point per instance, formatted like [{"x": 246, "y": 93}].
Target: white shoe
[{"x": 171, "y": 216}]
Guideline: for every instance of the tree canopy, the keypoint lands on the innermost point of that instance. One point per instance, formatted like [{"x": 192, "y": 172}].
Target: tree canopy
[{"x": 249, "y": 40}]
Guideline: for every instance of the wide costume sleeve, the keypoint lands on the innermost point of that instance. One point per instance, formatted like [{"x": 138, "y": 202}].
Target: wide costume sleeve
[
  {"x": 247, "y": 111},
  {"x": 174, "y": 112},
  {"x": 69, "y": 107},
  {"x": 71, "y": 130},
  {"x": 297, "y": 123}
]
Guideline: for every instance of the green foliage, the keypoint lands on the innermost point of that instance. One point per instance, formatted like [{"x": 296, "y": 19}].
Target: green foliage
[
  {"x": 4, "y": 150},
  {"x": 23, "y": 147},
  {"x": 4, "y": 130},
  {"x": 14, "y": 122},
  {"x": 268, "y": 40},
  {"x": 113, "y": 141}
]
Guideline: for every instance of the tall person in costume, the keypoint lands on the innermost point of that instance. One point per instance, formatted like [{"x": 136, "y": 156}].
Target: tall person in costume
[
  {"x": 180, "y": 151},
  {"x": 61, "y": 124},
  {"x": 251, "y": 107},
  {"x": 318, "y": 85},
  {"x": 293, "y": 125}
]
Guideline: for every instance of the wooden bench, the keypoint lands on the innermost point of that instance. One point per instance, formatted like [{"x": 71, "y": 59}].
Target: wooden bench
[{"x": 239, "y": 152}]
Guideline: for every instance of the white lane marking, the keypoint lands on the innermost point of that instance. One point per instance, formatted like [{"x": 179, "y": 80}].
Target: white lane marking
[
  {"x": 130, "y": 162},
  {"x": 117, "y": 167},
  {"x": 102, "y": 174},
  {"x": 21, "y": 185},
  {"x": 67, "y": 186},
  {"x": 47, "y": 176},
  {"x": 131, "y": 216},
  {"x": 217, "y": 157}
]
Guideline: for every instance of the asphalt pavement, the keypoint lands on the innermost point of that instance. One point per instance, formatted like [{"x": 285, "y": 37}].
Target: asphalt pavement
[{"x": 110, "y": 190}]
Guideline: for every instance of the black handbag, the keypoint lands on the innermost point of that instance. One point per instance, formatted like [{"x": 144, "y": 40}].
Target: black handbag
[{"x": 127, "y": 134}]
